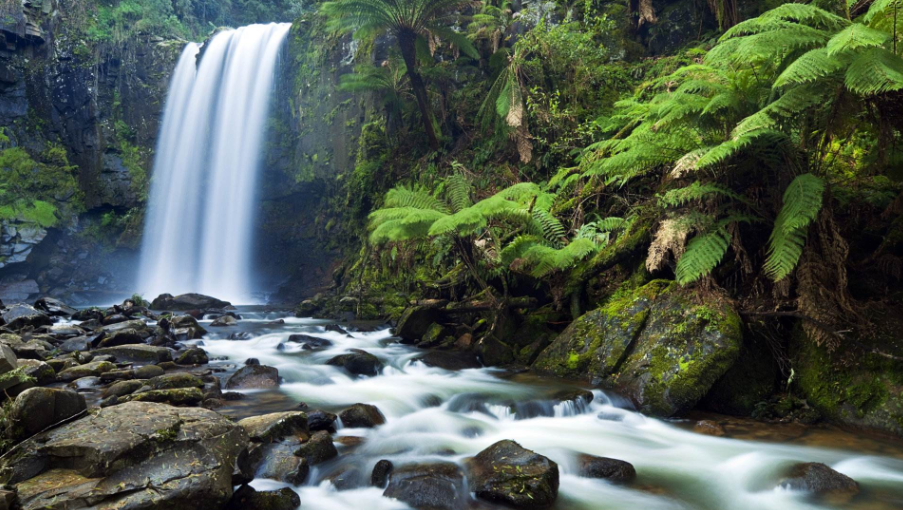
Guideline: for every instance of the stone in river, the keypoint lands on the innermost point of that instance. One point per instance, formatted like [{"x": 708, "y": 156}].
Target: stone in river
[
  {"x": 428, "y": 486},
  {"x": 612, "y": 470},
  {"x": 362, "y": 416},
  {"x": 254, "y": 376},
  {"x": 510, "y": 475}
]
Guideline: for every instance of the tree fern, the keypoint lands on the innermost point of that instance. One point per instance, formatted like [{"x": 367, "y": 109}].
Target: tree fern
[
  {"x": 875, "y": 71},
  {"x": 811, "y": 66},
  {"x": 802, "y": 202},
  {"x": 702, "y": 255},
  {"x": 694, "y": 192},
  {"x": 457, "y": 190},
  {"x": 856, "y": 37}
]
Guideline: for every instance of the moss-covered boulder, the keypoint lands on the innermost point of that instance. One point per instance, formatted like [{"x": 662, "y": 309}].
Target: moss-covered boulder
[
  {"x": 866, "y": 392},
  {"x": 661, "y": 346}
]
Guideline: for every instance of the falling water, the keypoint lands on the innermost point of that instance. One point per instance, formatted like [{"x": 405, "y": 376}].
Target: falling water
[{"x": 198, "y": 233}]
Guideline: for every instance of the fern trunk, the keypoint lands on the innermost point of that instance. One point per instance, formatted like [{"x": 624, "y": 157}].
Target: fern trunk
[{"x": 406, "y": 41}]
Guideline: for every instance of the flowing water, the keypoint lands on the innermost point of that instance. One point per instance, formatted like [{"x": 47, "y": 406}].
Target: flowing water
[
  {"x": 435, "y": 414},
  {"x": 210, "y": 146}
]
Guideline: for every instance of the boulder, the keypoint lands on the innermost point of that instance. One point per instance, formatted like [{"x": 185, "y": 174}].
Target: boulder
[
  {"x": 613, "y": 470},
  {"x": 357, "y": 362},
  {"x": 38, "y": 408},
  {"x": 115, "y": 318},
  {"x": 657, "y": 345},
  {"x": 173, "y": 381},
  {"x": 254, "y": 376},
  {"x": 436, "y": 335},
  {"x": 137, "y": 324},
  {"x": 93, "y": 369},
  {"x": 320, "y": 420},
  {"x": 122, "y": 337},
  {"x": 123, "y": 388},
  {"x": 510, "y": 475},
  {"x": 275, "y": 426},
  {"x": 8, "y": 359},
  {"x": 184, "y": 302},
  {"x": 280, "y": 463},
  {"x": 41, "y": 372},
  {"x": 148, "y": 372},
  {"x": 428, "y": 486},
  {"x": 78, "y": 344},
  {"x": 224, "y": 321},
  {"x": 819, "y": 479},
  {"x": 18, "y": 316},
  {"x": 135, "y": 455},
  {"x": 416, "y": 321},
  {"x": 493, "y": 352},
  {"x": 137, "y": 353},
  {"x": 381, "y": 471},
  {"x": 54, "y": 307},
  {"x": 362, "y": 416},
  {"x": 248, "y": 498},
  {"x": 345, "y": 478},
  {"x": 319, "y": 448},
  {"x": 193, "y": 356}
]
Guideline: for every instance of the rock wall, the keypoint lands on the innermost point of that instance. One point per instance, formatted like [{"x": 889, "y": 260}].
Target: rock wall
[{"x": 102, "y": 104}]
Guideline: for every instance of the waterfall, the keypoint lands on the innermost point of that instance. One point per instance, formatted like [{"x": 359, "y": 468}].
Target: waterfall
[{"x": 199, "y": 223}]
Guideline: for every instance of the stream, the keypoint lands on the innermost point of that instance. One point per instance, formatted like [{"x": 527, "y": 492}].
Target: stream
[{"x": 435, "y": 414}]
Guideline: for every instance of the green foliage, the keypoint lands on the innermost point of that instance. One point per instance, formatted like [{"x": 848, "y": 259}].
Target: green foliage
[
  {"x": 703, "y": 254},
  {"x": 36, "y": 191},
  {"x": 802, "y": 203}
]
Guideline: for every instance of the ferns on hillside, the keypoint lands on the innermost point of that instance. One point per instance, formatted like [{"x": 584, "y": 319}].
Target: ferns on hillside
[{"x": 802, "y": 202}]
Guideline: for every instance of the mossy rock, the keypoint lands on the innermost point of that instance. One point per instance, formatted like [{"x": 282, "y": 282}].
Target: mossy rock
[
  {"x": 865, "y": 393},
  {"x": 657, "y": 345}
]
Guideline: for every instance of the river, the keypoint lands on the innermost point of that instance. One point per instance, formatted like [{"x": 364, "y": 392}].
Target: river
[{"x": 435, "y": 414}]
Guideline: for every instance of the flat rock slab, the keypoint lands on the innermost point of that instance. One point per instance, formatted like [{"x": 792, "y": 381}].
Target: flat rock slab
[
  {"x": 131, "y": 456},
  {"x": 136, "y": 353},
  {"x": 275, "y": 426}
]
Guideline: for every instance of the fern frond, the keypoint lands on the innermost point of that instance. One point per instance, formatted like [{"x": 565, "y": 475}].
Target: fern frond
[
  {"x": 811, "y": 66},
  {"x": 802, "y": 203},
  {"x": 875, "y": 71},
  {"x": 458, "y": 191},
  {"x": 552, "y": 229},
  {"x": 696, "y": 191},
  {"x": 702, "y": 255},
  {"x": 856, "y": 37},
  {"x": 401, "y": 196}
]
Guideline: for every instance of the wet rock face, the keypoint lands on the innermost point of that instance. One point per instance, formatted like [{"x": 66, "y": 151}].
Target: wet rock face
[
  {"x": 135, "y": 455},
  {"x": 433, "y": 486},
  {"x": 275, "y": 426},
  {"x": 317, "y": 449},
  {"x": 508, "y": 474},
  {"x": 657, "y": 346},
  {"x": 247, "y": 498}
]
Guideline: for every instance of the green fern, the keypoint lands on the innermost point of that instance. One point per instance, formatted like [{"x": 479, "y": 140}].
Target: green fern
[
  {"x": 875, "y": 71},
  {"x": 802, "y": 202},
  {"x": 695, "y": 192},
  {"x": 703, "y": 254}
]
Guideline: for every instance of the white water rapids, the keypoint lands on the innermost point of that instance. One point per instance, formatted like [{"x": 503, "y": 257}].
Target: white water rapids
[
  {"x": 198, "y": 231},
  {"x": 435, "y": 414}
]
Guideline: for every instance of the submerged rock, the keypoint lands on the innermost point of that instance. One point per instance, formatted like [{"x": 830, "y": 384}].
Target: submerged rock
[
  {"x": 657, "y": 345},
  {"x": 612, "y": 470},
  {"x": 508, "y": 474},
  {"x": 135, "y": 455},
  {"x": 362, "y": 416},
  {"x": 819, "y": 479},
  {"x": 253, "y": 376},
  {"x": 429, "y": 486}
]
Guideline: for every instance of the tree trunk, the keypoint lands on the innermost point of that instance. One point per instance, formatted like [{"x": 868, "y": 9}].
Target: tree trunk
[{"x": 406, "y": 41}]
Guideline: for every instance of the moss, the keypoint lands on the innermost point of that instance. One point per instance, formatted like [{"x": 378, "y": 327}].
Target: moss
[{"x": 868, "y": 393}]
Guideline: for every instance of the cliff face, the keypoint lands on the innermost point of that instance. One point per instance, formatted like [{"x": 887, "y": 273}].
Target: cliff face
[{"x": 98, "y": 108}]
